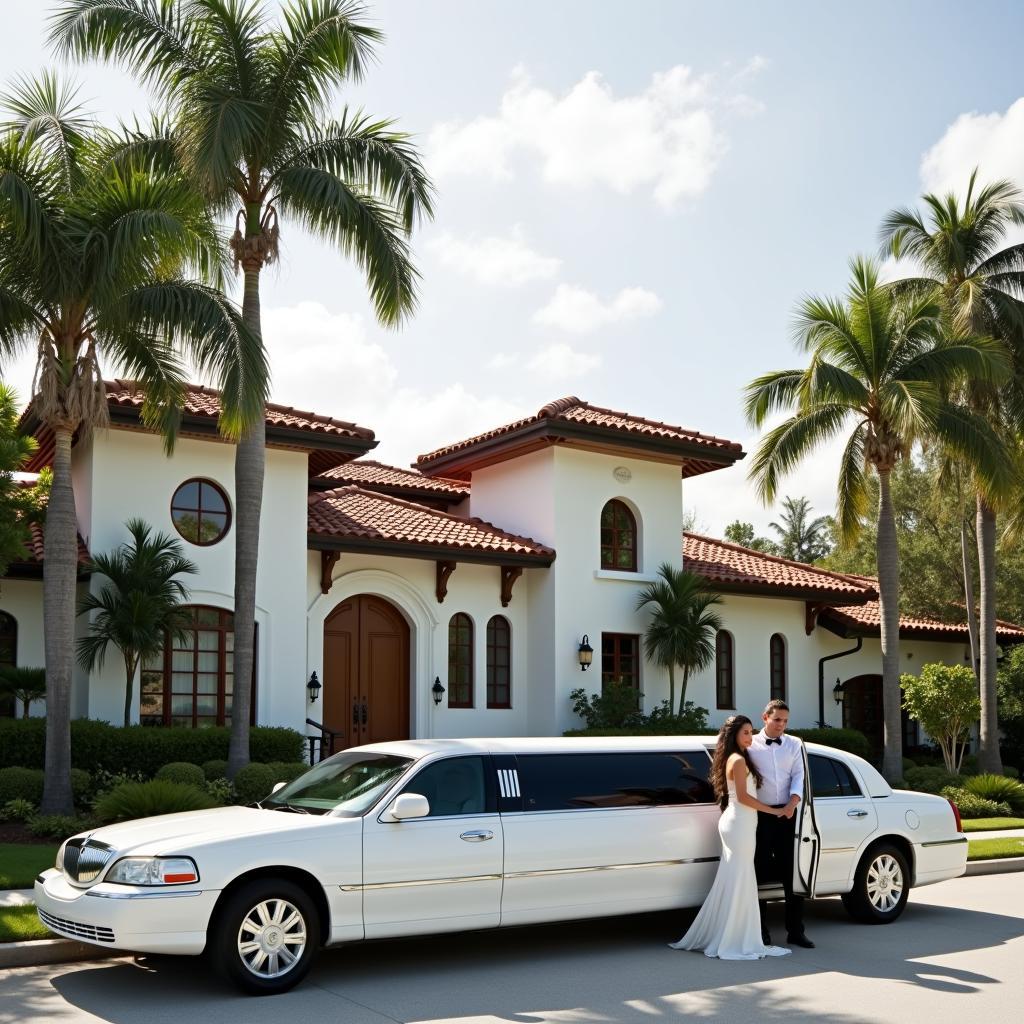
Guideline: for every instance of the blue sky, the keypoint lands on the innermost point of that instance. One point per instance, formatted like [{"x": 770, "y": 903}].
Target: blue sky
[{"x": 631, "y": 201}]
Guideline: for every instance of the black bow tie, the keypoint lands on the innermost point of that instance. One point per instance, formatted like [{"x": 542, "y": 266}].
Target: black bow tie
[{"x": 770, "y": 741}]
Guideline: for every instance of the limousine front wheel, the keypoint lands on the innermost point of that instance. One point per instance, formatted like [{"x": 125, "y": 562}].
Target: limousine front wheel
[
  {"x": 265, "y": 937},
  {"x": 880, "y": 887}
]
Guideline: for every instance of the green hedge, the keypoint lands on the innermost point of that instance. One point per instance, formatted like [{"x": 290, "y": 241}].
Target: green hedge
[
  {"x": 853, "y": 741},
  {"x": 139, "y": 748}
]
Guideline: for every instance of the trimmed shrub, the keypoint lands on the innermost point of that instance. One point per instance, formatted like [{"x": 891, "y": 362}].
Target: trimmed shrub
[
  {"x": 998, "y": 788},
  {"x": 17, "y": 810},
  {"x": 971, "y": 805},
  {"x": 969, "y": 764},
  {"x": 145, "y": 799},
  {"x": 183, "y": 772},
  {"x": 81, "y": 785},
  {"x": 58, "y": 826},
  {"x": 215, "y": 769},
  {"x": 853, "y": 741},
  {"x": 287, "y": 771},
  {"x": 221, "y": 791},
  {"x": 930, "y": 780},
  {"x": 254, "y": 782},
  {"x": 908, "y": 763},
  {"x": 1010, "y": 772},
  {"x": 21, "y": 784}
]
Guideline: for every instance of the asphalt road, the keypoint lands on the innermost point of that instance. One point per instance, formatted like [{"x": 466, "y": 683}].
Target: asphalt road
[{"x": 956, "y": 955}]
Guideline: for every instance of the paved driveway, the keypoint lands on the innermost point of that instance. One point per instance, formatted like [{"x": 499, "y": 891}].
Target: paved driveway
[{"x": 956, "y": 955}]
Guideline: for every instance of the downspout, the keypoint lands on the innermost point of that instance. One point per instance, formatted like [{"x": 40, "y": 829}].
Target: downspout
[{"x": 821, "y": 677}]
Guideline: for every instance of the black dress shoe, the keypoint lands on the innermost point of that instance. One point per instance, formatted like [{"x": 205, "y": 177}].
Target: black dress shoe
[{"x": 800, "y": 940}]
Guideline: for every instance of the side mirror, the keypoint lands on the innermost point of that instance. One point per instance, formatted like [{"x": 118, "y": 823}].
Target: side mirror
[
  {"x": 409, "y": 805},
  {"x": 277, "y": 786}
]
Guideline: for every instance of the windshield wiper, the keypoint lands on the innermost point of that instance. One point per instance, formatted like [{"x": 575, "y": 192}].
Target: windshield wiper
[{"x": 294, "y": 808}]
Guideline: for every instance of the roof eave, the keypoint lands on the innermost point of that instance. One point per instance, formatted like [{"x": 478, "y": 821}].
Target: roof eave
[
  {"x": 429, "y": 552},
  {"x": 832, "y": 598}
]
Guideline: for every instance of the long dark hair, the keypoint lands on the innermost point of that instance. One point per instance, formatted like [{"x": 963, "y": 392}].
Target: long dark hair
[{"x": 727, "y": 746}]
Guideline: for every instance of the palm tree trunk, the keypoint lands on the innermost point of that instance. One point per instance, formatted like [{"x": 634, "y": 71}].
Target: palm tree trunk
[
  {"x": 988, "y": 749},
  {"x": 60, "y": 572},
  {"x": 682, "y": 689},
  {"x": 130, "y": 664},
  {"x": 972, "y": 622},
  {"x": 671, "y": 686},
  {"x": 250, "y": 456},
  {"x": 889, "y": 601}
]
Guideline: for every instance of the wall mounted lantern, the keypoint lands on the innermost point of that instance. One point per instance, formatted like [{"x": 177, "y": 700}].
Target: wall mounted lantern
[
  {"x": 838, "y": 691},
  {"x": 585, "y": 653},
  {"x": 313, "y": 686},
  {"x": 437, "y": 690}
]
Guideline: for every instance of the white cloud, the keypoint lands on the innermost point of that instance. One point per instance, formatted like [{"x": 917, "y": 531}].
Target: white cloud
[
  {"x": 502, "y": 360},
  {"x": 494, "y": 260},
  {"x": 561, "y": 361},
  {"x": 580, "y": 311},
  {"x": 665, "y": 138},
  {"x": 992, "y": 142}
]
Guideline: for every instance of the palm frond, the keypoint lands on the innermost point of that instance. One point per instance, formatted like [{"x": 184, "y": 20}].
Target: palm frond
[{"x": 772, "y": 392}]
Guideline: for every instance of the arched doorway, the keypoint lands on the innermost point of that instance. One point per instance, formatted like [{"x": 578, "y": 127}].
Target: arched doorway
[
  {"x": 863, "y": 710},
  {"x": 366, "y": 671}
]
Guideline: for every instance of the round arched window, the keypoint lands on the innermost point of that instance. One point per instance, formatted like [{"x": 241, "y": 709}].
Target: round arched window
[{"x": 200, "y": 511}]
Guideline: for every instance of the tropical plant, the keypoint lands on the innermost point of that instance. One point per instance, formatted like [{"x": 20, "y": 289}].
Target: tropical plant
[
  {"x": 971, "y": 805},
  {"x": 738, "y": 532},
  {"x": 247, "y": 103},
  {"x": 139, "y": 606},
  {"x": 15, "y": 502},
  {"x": 92, "y": 253},
  {"x": 145, "y": 799},
  {"x": 880, "y": 364},
  {"x": 961, "y": 255},
  {"x": 802, "y": 537},
  {"x": 944, "y": 699},
  {"x": 24, "y": 684},
  {"x": 999, "y": 788},
  {"x": 683, "y": 625}
]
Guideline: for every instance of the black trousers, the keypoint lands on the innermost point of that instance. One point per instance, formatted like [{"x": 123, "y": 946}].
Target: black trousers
[{"x": 773, "y": 863}]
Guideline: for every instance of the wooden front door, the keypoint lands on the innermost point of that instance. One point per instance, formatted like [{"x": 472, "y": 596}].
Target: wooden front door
[
  {"x": 863, "y": 710},
  {"x": 366, "y": 672}
]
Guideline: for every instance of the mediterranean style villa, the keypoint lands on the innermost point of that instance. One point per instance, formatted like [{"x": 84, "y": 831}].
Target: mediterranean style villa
[{"x": 457, "y": 598}]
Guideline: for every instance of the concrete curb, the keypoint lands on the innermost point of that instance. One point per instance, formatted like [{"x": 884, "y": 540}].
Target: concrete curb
[
  {"x": 34, "y": 952},
  {"x": 995, "y": 866}
]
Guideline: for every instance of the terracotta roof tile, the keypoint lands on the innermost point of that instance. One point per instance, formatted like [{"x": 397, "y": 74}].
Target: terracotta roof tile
[
  {"x": 35, "y": 546},
  {"x": 741, "y": 568},
  {"x": 616, "y": 426},
  {"x": 376, "y": 476},
  {"x": 364, "y": 517}
]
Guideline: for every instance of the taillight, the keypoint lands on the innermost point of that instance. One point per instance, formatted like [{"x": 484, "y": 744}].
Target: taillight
[{"x": 956, "y": 816}]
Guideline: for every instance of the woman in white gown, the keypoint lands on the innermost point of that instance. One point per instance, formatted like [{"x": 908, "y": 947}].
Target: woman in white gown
[{"x": 728, "y": 925}]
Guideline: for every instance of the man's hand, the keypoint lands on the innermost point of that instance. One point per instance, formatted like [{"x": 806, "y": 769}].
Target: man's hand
[{"x": 790, "y": 809}]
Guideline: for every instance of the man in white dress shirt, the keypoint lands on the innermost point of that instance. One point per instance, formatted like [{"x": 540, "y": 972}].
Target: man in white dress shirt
[{"x": 779, "y": 759}]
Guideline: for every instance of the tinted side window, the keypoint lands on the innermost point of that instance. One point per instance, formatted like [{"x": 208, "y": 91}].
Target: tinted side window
[
  {"x": 456, "y": 785},
  {"x": 556, "y": 782},
  {"x": 831, "y": 778}
]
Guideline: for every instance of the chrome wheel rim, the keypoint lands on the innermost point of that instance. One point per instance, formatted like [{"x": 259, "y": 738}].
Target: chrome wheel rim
[
  {"x": 885, "y": 883},
  {"x": 272, "y": 938}
]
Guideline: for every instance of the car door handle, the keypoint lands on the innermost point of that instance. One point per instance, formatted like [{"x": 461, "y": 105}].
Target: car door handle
[
  {"x": 857, "y": 813},
  {"x": 479, "y": 836}
]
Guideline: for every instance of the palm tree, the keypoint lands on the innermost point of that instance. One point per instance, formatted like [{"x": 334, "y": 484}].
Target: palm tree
[
  {"x": 139, "y": 606},
  {"x": 880, "y": 364},
  {"x": 682, "y": 627},
  {"x": 91, "y": 257},
  {"x": 961, "y": 253},
  {"x": 248, "y": 102},
  {"x": 24, "y": 684},
  {"x": 800, "y": 537}
]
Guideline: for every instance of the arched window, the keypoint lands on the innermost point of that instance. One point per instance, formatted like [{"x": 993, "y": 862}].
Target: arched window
[
  {"x": 191, "y": 682},
  {"x": 8, "y": 657},
  {"x": 618, "y": 537},
  {"x": 777, "y": 666},
  {"x": 725, "y": 670},
  {"x": 499, "y": 662},
  {"x": 460, "y": 661}
]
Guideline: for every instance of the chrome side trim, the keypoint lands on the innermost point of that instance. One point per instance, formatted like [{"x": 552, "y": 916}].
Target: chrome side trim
[
  {"x": 946, "y": 842},
  {"x": 611, "y": 867},
  {"x": 838, "y": 849},
  {"x": 144, "y": 895},
  {"x": 418, "y": 882}
]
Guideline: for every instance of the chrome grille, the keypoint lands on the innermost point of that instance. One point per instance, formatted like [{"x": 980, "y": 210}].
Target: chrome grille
[
  {"x": 76, "y": 929},
  {"x": 84, "y": 859}
]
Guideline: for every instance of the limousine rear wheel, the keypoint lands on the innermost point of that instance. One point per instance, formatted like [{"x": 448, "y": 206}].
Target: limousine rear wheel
[
  {"x": 880, "y": 887},
  {"x": 265, "y": 936}
]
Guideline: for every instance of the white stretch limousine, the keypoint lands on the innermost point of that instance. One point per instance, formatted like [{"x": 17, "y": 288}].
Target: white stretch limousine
[{"x": 448, "y": 835}]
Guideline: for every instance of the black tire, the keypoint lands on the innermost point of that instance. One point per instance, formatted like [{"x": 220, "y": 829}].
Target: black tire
[
  {"x": 880, "y": 887},
  {"x": 280, "y": 922}
]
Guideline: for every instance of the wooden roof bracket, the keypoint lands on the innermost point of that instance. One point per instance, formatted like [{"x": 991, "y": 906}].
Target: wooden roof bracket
[
  {"x": 509, "y": 575},
  {"x": 444, "y": 571},
  {"x": 328, "y": 560},
  {"x": 812, "y": 609}
]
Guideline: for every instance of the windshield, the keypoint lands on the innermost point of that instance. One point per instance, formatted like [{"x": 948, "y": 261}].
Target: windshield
[{"x": 348, "y": 782}]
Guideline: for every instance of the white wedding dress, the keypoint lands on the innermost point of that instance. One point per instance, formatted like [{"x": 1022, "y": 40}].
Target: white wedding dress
[{"x": 729, "y": 925}]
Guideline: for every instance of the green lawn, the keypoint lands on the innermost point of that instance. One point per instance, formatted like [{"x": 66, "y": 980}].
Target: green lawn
[
  {"x": 20, "y": 923},
  {"x": 989, "y": 849},
  {"x": 21, "y": 862},
  {"x": 991, "y": 824}
]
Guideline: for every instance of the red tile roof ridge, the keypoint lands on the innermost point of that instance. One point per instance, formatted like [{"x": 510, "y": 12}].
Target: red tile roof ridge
[
  {"x": 428, "y": 482},
  {"x": 559, "y": 405},
  {"x": 316, "y": 497},
  {"x": 803, "y": 566}
]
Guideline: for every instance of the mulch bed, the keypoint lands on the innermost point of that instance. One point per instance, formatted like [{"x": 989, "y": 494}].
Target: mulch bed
[{"x": 15, "y": 832}]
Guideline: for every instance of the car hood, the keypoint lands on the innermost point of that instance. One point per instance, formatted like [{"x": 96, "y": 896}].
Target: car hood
[{"x": 178, "y": 833}]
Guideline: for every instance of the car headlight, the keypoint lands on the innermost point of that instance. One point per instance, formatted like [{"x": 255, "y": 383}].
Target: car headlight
[{"x": 154, "y": 871}]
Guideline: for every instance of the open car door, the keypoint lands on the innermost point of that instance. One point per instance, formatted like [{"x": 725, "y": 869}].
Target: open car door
[{"x": 807, "y": 839}]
